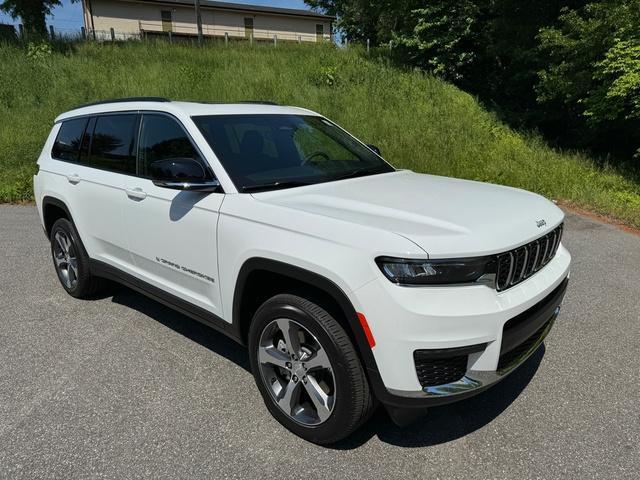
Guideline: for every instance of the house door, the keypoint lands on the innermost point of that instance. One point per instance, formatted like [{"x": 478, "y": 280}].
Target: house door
[
  {"x": 166, "y": 20},
  {"x": 319, "y": 32},
  {"x": 248, "y": 27}
]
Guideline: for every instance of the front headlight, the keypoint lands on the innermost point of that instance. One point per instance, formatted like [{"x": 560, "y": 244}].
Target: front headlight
[{"x": 435, "y": 272}]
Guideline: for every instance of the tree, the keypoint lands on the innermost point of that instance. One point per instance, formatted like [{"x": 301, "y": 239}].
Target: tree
[
  {"x": 446, "y": 38},
  {"x": 32, "y": 12},
  {"x": 375, "y": 20},
  {"x": 593, "y": 72}
]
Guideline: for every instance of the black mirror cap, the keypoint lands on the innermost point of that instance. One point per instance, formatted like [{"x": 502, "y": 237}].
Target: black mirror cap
[
  {"x": 375, "y": 149},
  {"x": 183, "y": 170},
  {"x": 182, "y": 174}
]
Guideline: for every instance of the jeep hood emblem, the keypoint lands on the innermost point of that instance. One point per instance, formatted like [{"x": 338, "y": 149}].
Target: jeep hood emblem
[{"x": 541, "y": 223}]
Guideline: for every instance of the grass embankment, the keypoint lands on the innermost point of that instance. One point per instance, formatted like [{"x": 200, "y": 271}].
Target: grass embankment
[{"x": 419, "y": 122}]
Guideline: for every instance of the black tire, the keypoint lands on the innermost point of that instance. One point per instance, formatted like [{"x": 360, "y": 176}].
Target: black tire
[
  {"x": 354, "y": 402},
  {"x": 86, "y": 285}
]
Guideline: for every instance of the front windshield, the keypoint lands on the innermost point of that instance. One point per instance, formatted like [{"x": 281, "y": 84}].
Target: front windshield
[{"x": 266, "y": 152}]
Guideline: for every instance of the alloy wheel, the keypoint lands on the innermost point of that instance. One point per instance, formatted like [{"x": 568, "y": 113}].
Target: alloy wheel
[
  {"x": 297, "y": 372},
  {"x": 65, "y": 259}
]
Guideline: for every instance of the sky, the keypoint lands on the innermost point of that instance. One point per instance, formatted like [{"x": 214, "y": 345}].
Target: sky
[{"x": 67, "y": 18}]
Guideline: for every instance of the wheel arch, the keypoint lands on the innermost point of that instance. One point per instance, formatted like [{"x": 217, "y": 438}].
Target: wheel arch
[
  {"x": 53, "y": 209},
  {"x": 279, "y": 277}
]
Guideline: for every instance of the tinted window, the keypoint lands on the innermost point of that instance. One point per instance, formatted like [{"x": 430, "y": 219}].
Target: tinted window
[
  {"x": 67, "y": 144},
  {"x": 162, "y": 138},
  {"x": 258, "y": 150},
  {"x": 113, "y": 143}
]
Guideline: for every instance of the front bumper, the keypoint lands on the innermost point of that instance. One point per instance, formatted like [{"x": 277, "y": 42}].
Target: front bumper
[{"x": 498, "y": 330}]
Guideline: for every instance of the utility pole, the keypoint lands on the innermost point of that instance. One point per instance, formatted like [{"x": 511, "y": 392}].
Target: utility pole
[{"x": 199, "y": 21}]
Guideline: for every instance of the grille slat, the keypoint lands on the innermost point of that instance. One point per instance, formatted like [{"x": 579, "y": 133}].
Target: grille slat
[
  {"x": 522, "y": 262},
  {"x": 534, "y": 248}
]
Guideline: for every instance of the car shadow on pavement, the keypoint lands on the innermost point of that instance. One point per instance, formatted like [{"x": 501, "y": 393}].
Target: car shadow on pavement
[
  {"x": 192, "y": 329},
  {"x": 439, "y": 425},
  {"x": 449, "y": 422}
]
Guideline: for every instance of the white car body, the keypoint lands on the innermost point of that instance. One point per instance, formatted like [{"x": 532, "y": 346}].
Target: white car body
[{"x": 193, "y": 246}]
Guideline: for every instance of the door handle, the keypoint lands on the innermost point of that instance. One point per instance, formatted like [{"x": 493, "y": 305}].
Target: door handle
[
  {"x": 136, "y": 193},
  {"x": 73, "y": 178}
]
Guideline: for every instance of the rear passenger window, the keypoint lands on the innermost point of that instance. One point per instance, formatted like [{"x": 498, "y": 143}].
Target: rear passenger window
[
  {"x": 67, "y": 144},
  {"x": 113, "y": 143},
  {"x": 162, "y": 138}
]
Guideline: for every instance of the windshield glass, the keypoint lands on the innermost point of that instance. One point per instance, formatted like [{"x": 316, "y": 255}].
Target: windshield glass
[{"x": 266, "y": 152}]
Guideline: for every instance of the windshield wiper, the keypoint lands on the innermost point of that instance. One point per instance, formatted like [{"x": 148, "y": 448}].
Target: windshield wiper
[
  {"x": 359, "y": 172},
  {"x": 273, "y": 186}
]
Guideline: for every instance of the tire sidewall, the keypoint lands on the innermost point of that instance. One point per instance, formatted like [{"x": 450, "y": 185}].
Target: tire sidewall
[{"x": 343, "y": 408}]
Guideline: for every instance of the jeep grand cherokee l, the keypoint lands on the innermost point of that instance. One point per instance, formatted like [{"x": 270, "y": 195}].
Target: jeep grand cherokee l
[{"x": 352, "y": 283}]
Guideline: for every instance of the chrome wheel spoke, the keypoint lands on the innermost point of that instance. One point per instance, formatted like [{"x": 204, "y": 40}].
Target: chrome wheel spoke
[
  {"x": 63, "y": 243},
  {"x": 271, "y": 355},
  {"x": 290, "y": 397},
  {"x": 318, "y": 360},
  {"x": 72, "y": 268},
  {"x": 319, "y": 398},
  {"x": 290, "y": 331}
]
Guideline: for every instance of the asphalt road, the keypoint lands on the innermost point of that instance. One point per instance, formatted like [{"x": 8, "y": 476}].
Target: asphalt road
[{"x": 122, "y": 387}]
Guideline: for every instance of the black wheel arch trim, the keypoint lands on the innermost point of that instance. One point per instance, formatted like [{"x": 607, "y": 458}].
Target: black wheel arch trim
[{"x": 56, "y": 202}]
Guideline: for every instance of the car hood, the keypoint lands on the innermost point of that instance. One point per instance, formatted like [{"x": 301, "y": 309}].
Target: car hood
[{"x": 446, "y": 217}]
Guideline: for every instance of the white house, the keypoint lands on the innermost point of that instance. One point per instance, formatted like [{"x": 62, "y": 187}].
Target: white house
[{"x": 159, "y": 17}]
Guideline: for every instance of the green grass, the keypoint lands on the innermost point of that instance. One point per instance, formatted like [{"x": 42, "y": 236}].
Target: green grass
[{"x": 419, "y": 122}]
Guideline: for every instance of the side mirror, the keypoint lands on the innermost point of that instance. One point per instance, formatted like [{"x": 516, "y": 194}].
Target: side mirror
[
  {"x": 375, "y": 149},
  {"x": 182, "y": 174}
]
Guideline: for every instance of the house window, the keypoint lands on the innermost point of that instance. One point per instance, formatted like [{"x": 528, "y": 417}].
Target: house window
[
  {"x": 319, "y": 32},
  {"x": 166, "y": 20},
  {"x": 248, "y": 27}
]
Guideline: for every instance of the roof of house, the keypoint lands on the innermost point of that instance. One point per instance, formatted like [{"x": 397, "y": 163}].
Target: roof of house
[{"x": 245, "y": 8}]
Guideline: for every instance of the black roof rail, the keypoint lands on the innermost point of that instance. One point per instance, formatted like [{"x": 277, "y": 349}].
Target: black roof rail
[
  {"x": 126, "y": 99},
  {"x": 248, "y": 102},
  {"x": 258, "y": 102}
]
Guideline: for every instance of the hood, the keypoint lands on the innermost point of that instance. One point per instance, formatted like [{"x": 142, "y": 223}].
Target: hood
[{"x": 446, "y": 217}]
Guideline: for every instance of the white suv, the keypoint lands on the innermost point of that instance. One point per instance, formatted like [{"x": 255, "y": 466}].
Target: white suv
[{"x": 351, "y": 282}]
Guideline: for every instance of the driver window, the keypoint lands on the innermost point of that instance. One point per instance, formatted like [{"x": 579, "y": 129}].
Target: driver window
[{"x": 162, "y": 138}]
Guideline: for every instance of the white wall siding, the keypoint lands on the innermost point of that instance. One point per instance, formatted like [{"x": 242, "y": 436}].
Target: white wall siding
[{"x": 131, "y": 19}]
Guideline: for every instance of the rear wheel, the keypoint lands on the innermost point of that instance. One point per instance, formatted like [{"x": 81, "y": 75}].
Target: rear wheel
[
  {"x": 307, "y": 370},
  {"x": 71, "y": 261}
]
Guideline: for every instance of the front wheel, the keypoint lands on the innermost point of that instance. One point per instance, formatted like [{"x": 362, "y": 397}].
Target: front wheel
[{"x": 307, "y": 370}]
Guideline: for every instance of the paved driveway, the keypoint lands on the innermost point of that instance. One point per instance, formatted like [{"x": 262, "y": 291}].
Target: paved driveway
[{"x": 122, "y": 387}]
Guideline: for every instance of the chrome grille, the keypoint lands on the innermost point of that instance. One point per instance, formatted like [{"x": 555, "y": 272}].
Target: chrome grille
[{"x": 518, "y": 264}]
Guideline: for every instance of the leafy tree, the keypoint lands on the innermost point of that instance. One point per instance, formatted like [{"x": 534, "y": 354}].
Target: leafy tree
[
  {"x": 32, "y": 12},
  {"x": 593, "y": 72},
  {"x": 446, "y": 37},
  {"x": 375, "y": 20}
]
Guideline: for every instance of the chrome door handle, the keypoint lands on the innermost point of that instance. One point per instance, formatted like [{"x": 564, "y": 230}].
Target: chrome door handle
[
  {"x": 136, "y": 193},
  {"x": 73, "y": 178}
]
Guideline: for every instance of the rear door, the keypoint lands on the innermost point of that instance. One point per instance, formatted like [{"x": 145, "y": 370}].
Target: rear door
[
  {"x": 96, "y": 179},
  {"x": 173, "y": 233}
]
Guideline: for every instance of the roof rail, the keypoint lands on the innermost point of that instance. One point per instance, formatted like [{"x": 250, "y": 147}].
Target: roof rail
[
  {"x": 126, "y": 99},
  {"x": 258, "y": 102}
]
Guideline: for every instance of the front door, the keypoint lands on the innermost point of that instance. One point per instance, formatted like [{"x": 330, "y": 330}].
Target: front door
[
  {"x": 319, "y": 32},
  {"x": 173, "y": 233}
]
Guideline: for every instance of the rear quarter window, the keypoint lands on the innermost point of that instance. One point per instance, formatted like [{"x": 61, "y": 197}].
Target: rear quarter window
[{"x": 67, "y": 144}]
